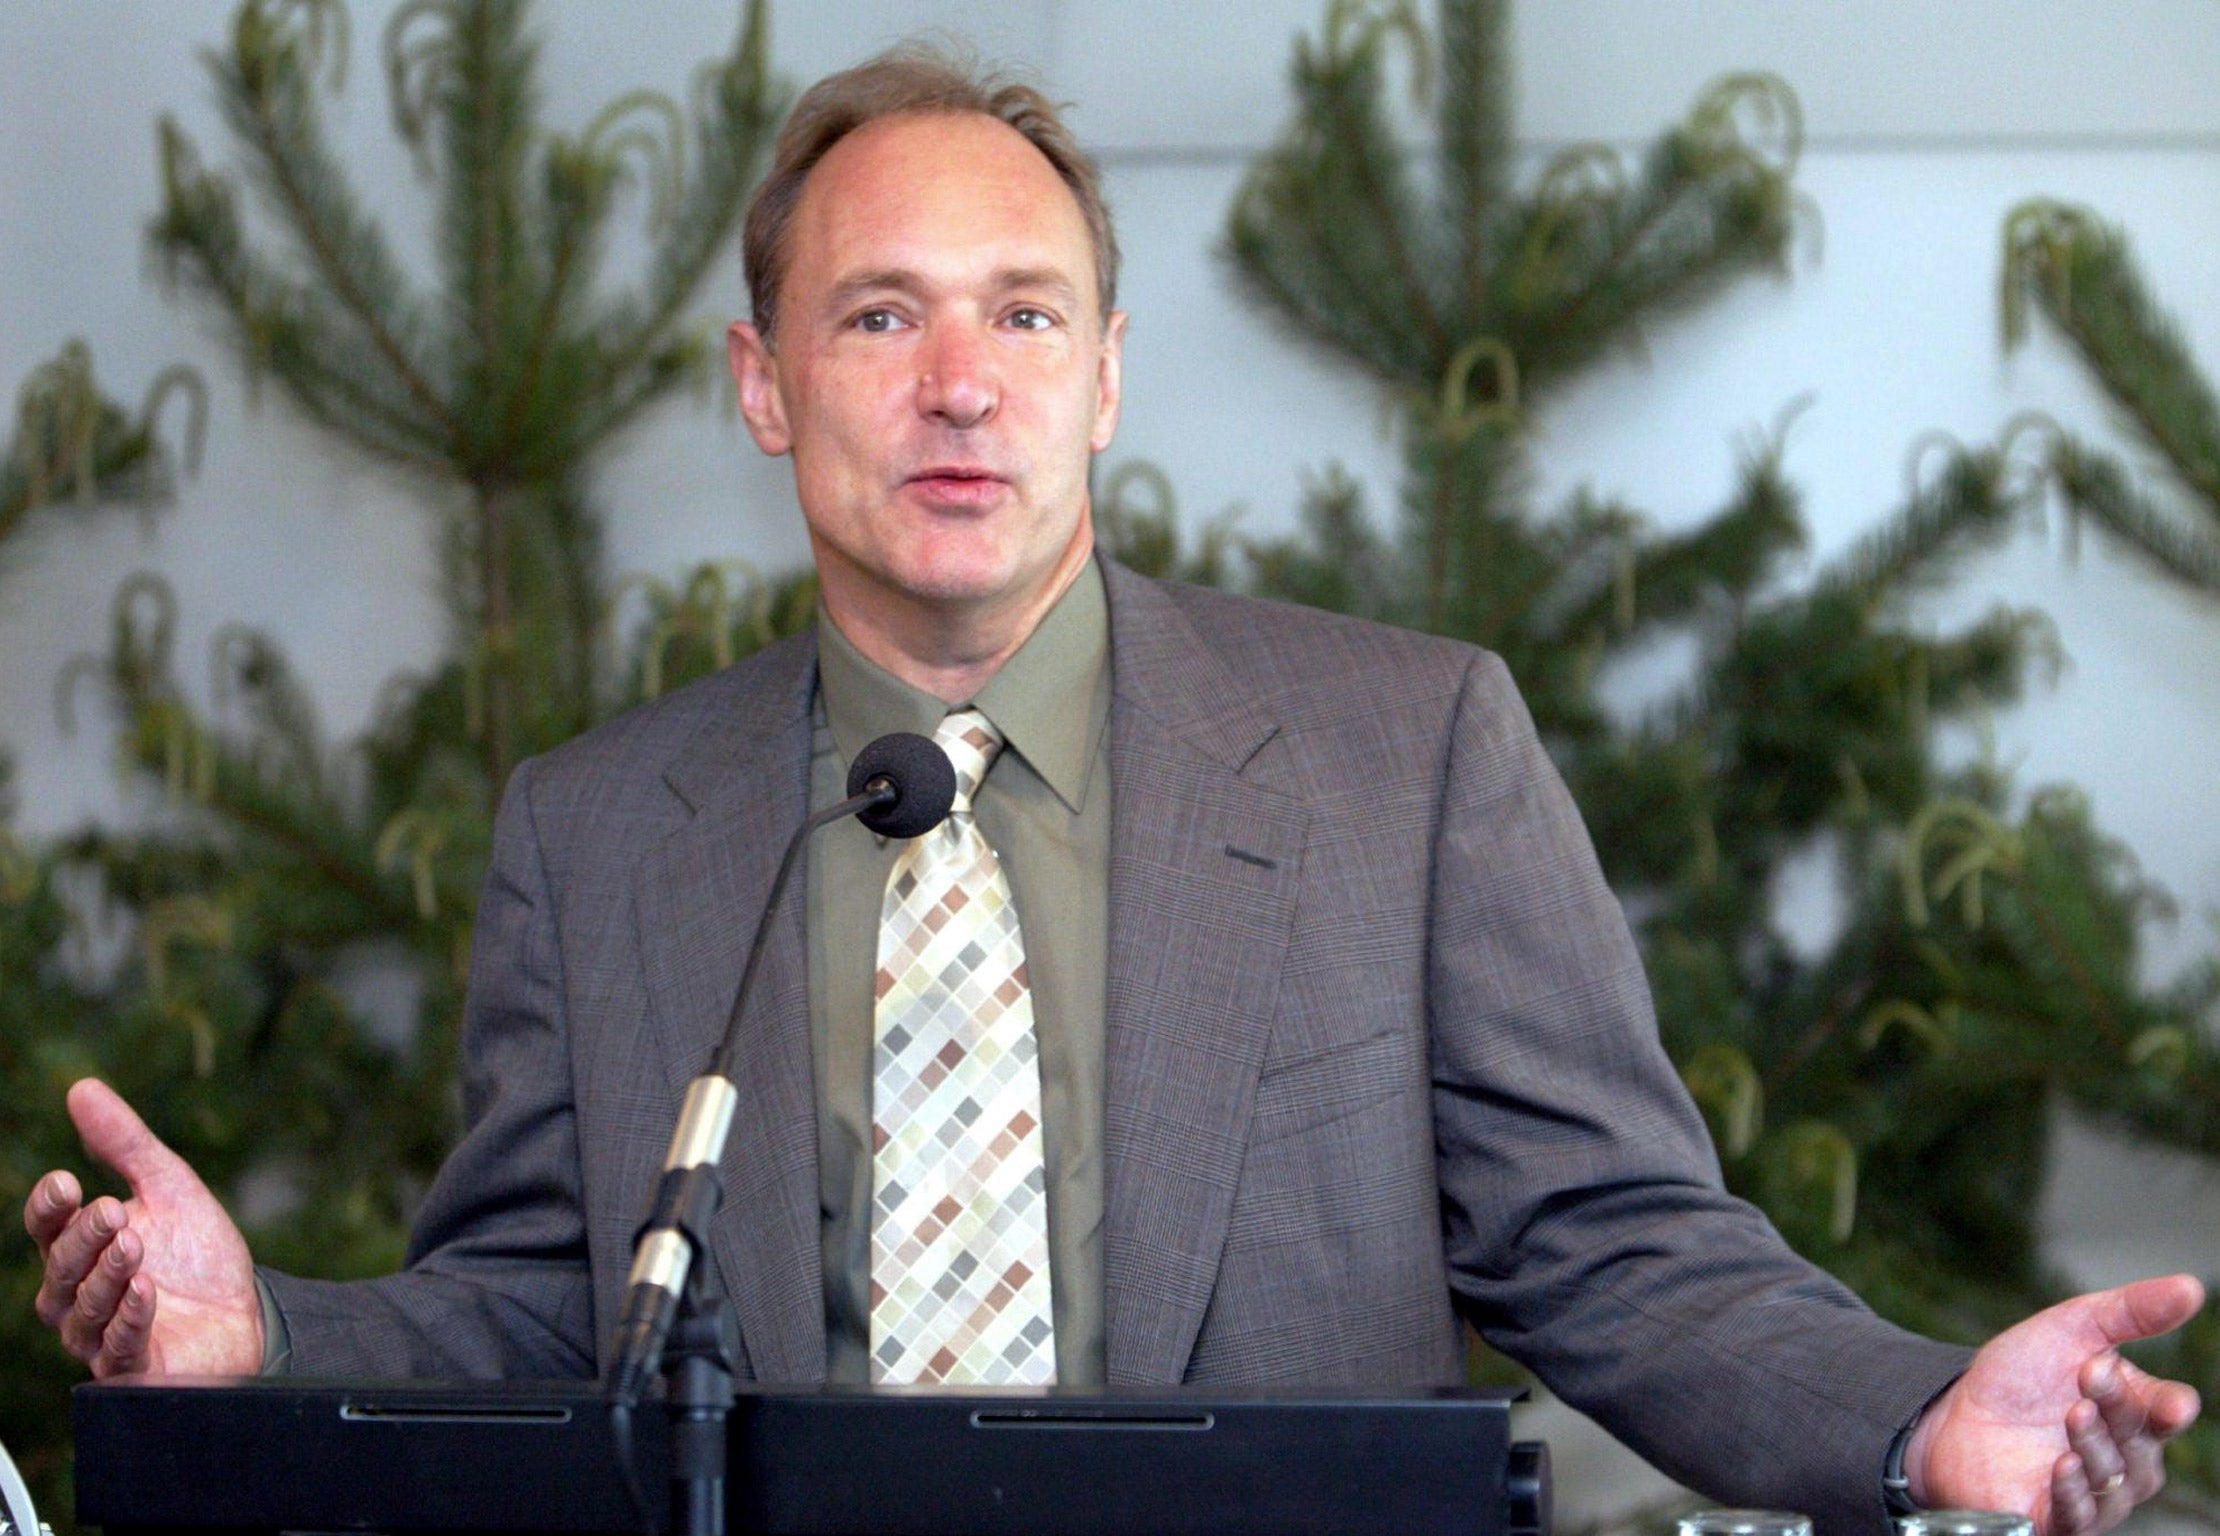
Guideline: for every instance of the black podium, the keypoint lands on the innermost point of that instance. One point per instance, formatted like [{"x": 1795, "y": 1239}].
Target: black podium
[{"x": 284, "y": 1455}]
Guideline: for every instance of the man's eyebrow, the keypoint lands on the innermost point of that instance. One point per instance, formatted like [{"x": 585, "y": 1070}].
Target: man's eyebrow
[
  {"x": 1048, "y": 278},
  {"x": 873, "y": 281},
  {"x": 903, "y": 280}
]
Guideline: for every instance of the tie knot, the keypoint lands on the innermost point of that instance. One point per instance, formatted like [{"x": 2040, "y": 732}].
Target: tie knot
[{"x": 971, "y": 743}]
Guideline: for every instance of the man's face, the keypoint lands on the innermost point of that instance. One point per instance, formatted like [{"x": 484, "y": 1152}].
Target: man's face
[{"x": 942, "y": 374}]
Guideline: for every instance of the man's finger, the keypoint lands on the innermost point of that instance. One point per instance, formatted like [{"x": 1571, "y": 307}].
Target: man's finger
[
  {"x": 2103, "y": 1461},
  {"x": 2168, "y": 1407},
  {"x": 2120, "y": 1399},
  {"x": 2073, "y": 1508},
  {"x": 72, "y": 1255},
  {"x": 101, "y": 1290},
  {"x": 84, "y": 1327},
  {"x": 2174, "y": 1407},
  {"x": 113, "y": 1132},
  {"x": 93, "y": 1301},
  {"x": 2142, "y": 1309},
  {"x": 54, "y": 1199},
  {"x": 125, "y": 1349}
]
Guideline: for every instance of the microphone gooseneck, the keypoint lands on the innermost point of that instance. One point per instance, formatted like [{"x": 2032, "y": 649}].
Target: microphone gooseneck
[{"x": 901, "y": 785}]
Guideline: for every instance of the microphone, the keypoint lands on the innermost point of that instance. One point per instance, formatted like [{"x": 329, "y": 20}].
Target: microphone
[
  {"x": 919, "y": 778},
  {"x": 900, "y": 785}
]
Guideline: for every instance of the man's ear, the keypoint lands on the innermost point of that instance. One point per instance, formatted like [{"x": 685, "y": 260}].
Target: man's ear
[
  {"x": 1109, "y": 381},
  {"x": 755, "y": 369}
]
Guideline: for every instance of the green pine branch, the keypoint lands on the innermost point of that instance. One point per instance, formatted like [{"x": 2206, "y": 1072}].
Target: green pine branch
[
  {"x": 2098, "y": 486},
  {"x": 738, "y": 105},
  {"x": 1591, "y": 258},
  {"x": 280, "y": 325},
  {"x": 2080, "y": 275},
  {"x": 504, "y": 378},
  {"x": 72, "y": 444},
  {"x": 267, "y": 88},
  {"x": 1473, "y": 112}
]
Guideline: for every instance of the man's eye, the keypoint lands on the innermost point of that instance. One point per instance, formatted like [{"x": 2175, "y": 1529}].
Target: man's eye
[
  {"x": 876, "y": 320},
  {"x": 1027, "y": 318}
]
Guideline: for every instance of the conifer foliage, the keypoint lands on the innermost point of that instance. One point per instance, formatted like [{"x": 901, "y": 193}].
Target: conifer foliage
[
  {"x": 294, "y": 895},
  {"x": 497, "y": 386},
  {"x": 1881, "y": 1089},
  {"x": 73, "y": 447},
  {"x": 2080, "y": 275},
  {"x": 73, "y": 452}
]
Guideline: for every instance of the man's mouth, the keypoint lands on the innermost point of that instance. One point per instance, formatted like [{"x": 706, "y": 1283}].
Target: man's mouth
[{"x": 957, "y": 484}]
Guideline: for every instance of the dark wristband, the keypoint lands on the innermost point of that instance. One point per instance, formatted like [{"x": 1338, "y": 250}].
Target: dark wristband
[{"x": 1896, "y": 1488}]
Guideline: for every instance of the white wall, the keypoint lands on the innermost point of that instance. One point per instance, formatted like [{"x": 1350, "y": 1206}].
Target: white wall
[{"x": 1926, "y": 124}]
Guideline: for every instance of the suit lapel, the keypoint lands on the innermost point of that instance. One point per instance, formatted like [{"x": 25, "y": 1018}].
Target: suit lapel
[
  {"x": 1203, "y": 869},
  {"x": 698, "y": 899}
]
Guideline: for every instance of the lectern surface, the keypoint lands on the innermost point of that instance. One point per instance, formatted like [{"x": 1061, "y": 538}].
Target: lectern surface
[{"x": 411, "y": 1456}]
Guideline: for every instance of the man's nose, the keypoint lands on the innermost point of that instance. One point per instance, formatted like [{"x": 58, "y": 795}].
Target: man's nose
[{"x": 956, "y": 381}]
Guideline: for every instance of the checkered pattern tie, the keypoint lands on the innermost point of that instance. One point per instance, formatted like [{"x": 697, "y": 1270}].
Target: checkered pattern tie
[{"x": 959, "y": 1204}]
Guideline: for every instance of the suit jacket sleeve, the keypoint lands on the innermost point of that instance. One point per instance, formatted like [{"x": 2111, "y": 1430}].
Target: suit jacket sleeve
[
  {"x": 1586, "y": 1228},
  {"x": 497, "y": 1280}
]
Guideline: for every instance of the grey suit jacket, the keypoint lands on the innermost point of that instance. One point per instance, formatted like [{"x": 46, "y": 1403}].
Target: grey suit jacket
[{"x": 1378, "y": 1046}]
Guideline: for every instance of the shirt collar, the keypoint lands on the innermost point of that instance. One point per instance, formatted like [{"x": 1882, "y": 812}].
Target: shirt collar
[{"x": 1044, "y": 700}]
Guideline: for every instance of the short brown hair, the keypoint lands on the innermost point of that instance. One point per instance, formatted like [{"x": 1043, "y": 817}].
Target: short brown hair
[{"x": 914, "y": 77}]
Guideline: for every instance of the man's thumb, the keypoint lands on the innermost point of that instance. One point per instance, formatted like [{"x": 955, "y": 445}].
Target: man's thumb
[
  {"x": 2143, "y": 1308},
  {"x": 113, "y": 1132}
]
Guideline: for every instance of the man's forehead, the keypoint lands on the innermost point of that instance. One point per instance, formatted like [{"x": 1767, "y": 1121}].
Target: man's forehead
[
  {"x": 944, "y": 141},
  {"x": 902, "y": 190}
]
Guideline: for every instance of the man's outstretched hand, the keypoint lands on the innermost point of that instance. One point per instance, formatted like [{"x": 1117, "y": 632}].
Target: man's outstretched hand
[
  {"x": 2050, "y": 1421},
  {"x": 160, "y": 1283}
]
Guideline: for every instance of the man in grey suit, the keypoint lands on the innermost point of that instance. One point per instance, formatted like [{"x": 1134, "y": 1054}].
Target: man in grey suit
[{"x": 1341, "y": 1035}]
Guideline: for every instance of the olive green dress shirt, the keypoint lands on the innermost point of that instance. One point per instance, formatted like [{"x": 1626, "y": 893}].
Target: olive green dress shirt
[{"x": 1045, "y": 808}]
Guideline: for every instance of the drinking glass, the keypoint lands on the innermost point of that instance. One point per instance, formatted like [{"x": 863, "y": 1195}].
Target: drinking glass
[
  {"x": 1965, "y": 1522},
  {"x": 1745, "y": 1522}
]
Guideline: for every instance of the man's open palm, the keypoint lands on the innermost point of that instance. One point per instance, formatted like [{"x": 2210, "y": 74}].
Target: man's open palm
[
  {"x": 160, "y": 1283},
  {"x": 2050, "y": 1421}
]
